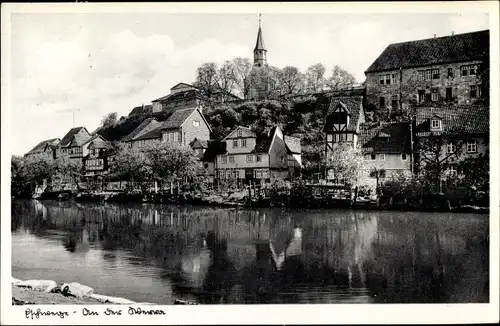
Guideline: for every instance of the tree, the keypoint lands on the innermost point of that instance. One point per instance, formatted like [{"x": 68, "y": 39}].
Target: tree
[
  {"x": 315, "y": 78},
  {"x": 68, "y": 170},
  {"x": 476, "y": 173},
  {"x": 129, "y": 164},
  {"x": 291, "y": 80},
  {"x": 345, "y": 163},
  {"x": 226, "y": 78},
  {"x": 340, "y": 79},
  {"x": 170, "y": 161},
  {"x": 437, "y": 153},
  {"x": 207, "y": 78},
  {"x": 109, "y": 120},
  {"x": 242, "y": 70}
]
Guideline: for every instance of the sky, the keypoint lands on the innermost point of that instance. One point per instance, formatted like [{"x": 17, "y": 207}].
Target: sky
[{"x": 113, "y": 62}]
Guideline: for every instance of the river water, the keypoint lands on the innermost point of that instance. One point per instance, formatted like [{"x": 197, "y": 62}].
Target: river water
[{"x": 159, "y": 253}]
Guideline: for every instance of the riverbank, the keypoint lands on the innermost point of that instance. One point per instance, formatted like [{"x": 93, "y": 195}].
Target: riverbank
[{"x": 48, "y": 292}]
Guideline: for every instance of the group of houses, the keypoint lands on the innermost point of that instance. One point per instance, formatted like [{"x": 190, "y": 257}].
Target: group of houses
[{"x": 437, "y": 81}]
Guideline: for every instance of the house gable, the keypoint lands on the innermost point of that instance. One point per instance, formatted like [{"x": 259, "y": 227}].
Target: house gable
[{"x": 241, "y": 132}]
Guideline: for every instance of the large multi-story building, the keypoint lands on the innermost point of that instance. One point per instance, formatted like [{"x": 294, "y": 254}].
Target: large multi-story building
[
  {"x": 458, "y": 133},
  {"x": 258, "y": 157},
  {"x": 182, "y": 127},
  {"x": 428, "y": 72},
  {"x": 73, "y": 143}
]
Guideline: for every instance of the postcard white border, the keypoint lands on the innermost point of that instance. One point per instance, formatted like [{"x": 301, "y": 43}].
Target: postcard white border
[{"x": 262, "y": 314}]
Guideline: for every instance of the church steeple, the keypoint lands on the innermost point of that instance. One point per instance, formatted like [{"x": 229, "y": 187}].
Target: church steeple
[{"x": 260, "y": 52}]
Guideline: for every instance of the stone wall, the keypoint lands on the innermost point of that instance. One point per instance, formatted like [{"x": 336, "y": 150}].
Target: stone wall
[{"x": 410, "y": 84}]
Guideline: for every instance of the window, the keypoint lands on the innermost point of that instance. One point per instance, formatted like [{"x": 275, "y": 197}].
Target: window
[
  {"x": 381, "y": 157},
  {"x": 283, "y": 159},
  {"x": 463, "y": 69},
  {"x": 452, "y": 170},
  {"x": 394, "y": 103},
  {"x": 231, "y": 159},
  {"x": 373, "y": 156},
  {"x": 451, "y": 148},
  {"x": 428, "y": 74},
  {"x": 205, "y": 165},
  {"x": 239, "y": 132},
  {"x": 342, "y": 137},
  {"x": 421, "y": 96},
  {"x": 449, "y": 95},
  {"x": 394, "y": 78},
  {"x": 471, "y": 147},
  {"x": 468, "y": 70},
  {"x": 473, "y": 91},
  {"x": 224, "y": 159},
  {"x": 258, "y": 158},
  {"x": 434, "y": 95},
  {"x": 386, "y": 79},
  {"x": 450, "y": 73},
  {"x": 435, "y": 73},
  {"x": 243, "y": 143},
  {"x": 235, "y": 143},
  {"x": 403, "y": 157},
  {"x": 196, "y": 123},
  {"x": 436, "y": 124},
  {"x": 180, "y": 137},
  {"x": 421, "y": 75},
  {"x": 249, "y": 158},
  {"x": 382, "y": 102}
]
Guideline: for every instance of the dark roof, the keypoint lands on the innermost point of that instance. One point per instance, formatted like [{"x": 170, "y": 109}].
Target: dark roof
[
  {"x": 177, "y": 118},
  {"x": 455, "y": 48},
  {"x": 259, "y": 45},
  {"x": 264, "y": 140},
  {"x": 385, "y": 137},
  {"x": 292, "y": 144},
  {"x": 152, "y": 134},
  {"x": 68, "y": 138},
  {"x": 98, "y": 141},
  {"x": 142, "y": 110},
  {"x": 215, "y": 147},
  {"x": 182, "y": 83},
  {"x": 354, "y": 106},
  {"x": 468, "y": 118},
  {"x": 140, "y": 128},
  {"x": 41, "y": 145},
  {"x": 203, "y": 143},
  {"x": 188, "y": 95}
]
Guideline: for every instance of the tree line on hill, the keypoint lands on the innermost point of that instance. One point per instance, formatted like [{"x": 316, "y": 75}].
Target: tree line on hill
[{"x": 238, "y": 76}]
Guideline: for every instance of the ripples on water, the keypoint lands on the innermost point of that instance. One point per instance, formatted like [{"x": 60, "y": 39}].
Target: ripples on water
[{"x": 158, "y": 253}]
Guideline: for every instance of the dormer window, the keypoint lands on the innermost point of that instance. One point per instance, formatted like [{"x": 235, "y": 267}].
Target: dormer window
[{"x": 436, "y": 124}]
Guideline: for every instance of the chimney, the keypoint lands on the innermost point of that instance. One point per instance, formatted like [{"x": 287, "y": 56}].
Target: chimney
[
  {"x": 452, "y": 33},
  {"x": 434, "y": 35}
]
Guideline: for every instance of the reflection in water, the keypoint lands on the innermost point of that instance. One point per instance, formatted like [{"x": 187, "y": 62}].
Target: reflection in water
[{"x": 156, "y": 253}]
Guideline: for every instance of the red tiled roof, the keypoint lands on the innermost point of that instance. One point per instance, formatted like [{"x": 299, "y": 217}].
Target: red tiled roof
[
  {"x": 177, "y": 118},
  {"x": 468, "y": 118},
  {"x": 152, "y": 134},
  {"x": 385, "y": 137},
  {"x": 354, "y": 106},
  {"x": 145, "y": 126},
  {"x": 68, "y": 138},
  {"x": 40, "y": 148},
  {"x": 455, "y": 48}
]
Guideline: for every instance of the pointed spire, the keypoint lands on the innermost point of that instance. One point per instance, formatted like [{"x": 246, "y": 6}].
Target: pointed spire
[{"x": 260, "y": 41}]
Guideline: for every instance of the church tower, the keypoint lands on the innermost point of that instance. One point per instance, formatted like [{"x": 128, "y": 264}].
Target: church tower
[{"x": 260, "y": 52}]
